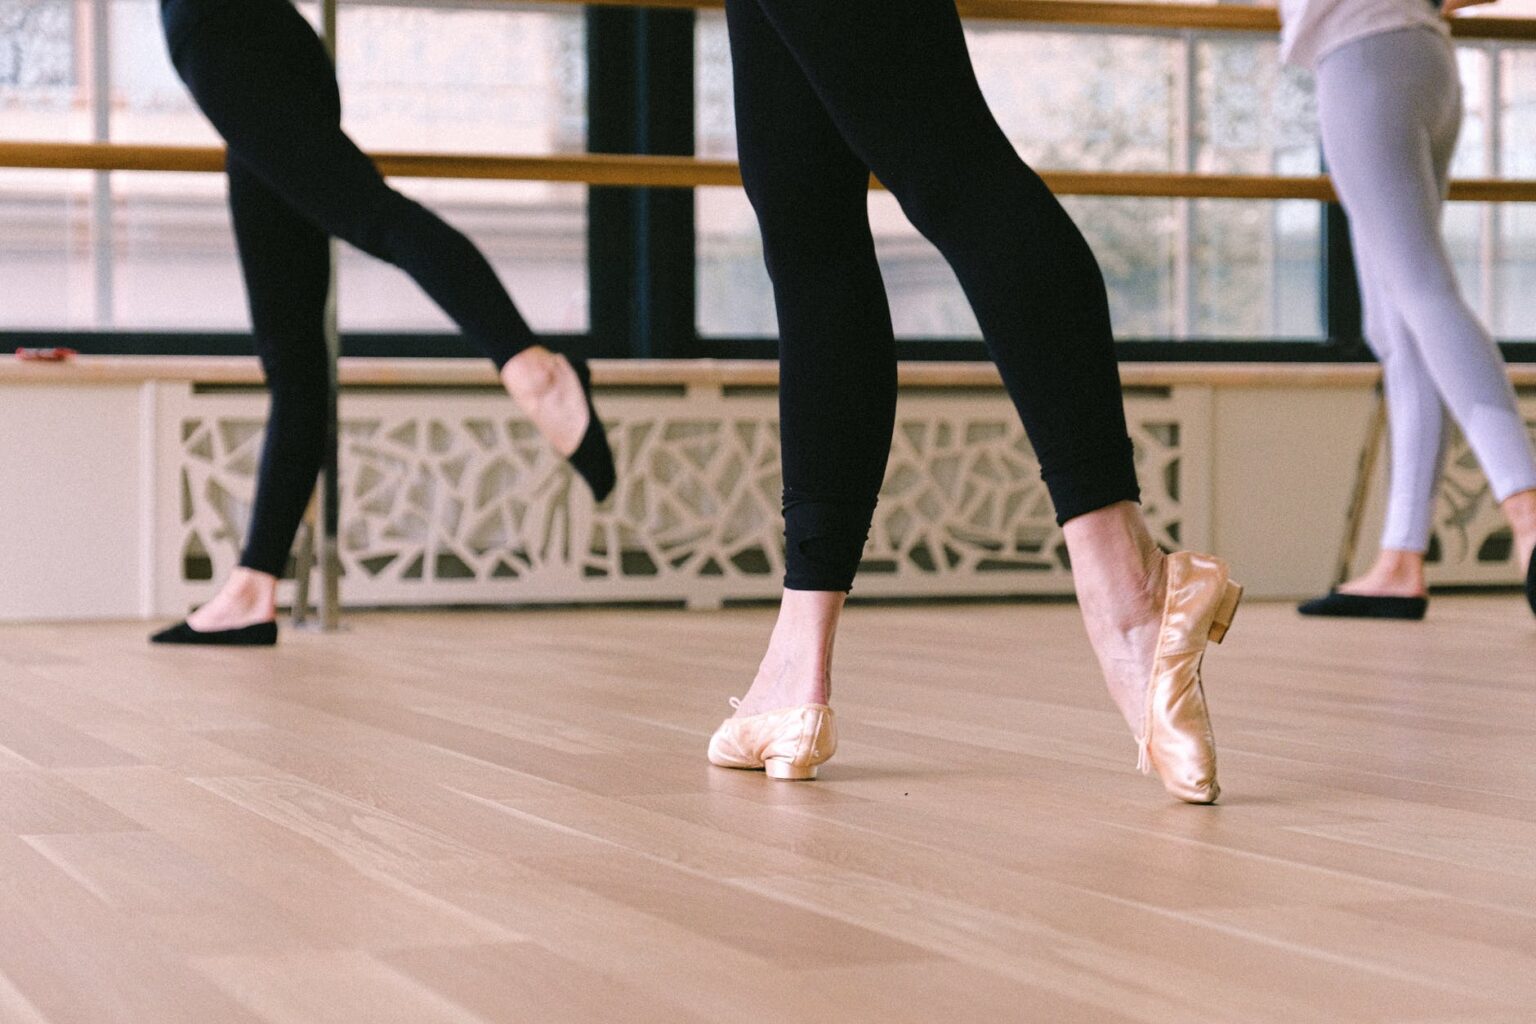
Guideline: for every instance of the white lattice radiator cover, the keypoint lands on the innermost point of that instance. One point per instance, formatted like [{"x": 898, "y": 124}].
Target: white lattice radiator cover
[{"x": 449, "y": 498}]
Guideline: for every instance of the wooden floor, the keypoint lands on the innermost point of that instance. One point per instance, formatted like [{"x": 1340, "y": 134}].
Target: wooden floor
[{"x": 508, "y": 817}]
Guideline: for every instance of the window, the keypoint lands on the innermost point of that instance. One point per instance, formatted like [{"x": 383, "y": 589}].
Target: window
[
  {"x": 137, "y": 255},
  {"x": 147, "y": 252},
  {"x": 1213, "y": 103},
  {"x": 1079, "y": 100},
  {"x": 472, "y": 79},
  {"x": 40, "y": 71},
  {"x": 44, "y": 215}
]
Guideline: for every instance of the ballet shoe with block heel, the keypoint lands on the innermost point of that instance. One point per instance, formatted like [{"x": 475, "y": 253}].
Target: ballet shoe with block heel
[
  {"x": 789, "y": 744},
  {"x": 1177, "y": 743}
]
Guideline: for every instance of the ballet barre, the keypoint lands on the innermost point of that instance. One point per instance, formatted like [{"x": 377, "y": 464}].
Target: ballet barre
[
  {"x": 1173, "y": 17},
  {"x": 634, "y": 171},
  {"x": 432, "y": 372}
]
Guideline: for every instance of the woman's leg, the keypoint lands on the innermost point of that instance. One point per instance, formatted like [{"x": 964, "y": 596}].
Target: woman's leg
[
  {"x": 910, "y": 109},
  {"x": 1391, "y": 180},
  {"x": 263, "y": 79},
  {"x": 286, "y": 263},
  {"x": 1416, "y": 421},
  {"x": 837, "y": 351}
]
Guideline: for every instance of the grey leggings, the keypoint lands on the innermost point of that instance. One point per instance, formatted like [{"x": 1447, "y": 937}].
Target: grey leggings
[{"x": 1390, "y": 107}]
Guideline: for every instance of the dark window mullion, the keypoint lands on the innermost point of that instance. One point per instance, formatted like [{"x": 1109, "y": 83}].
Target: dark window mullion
[
  {"x": 611, "y": 88},
  {"x": 640, "y": 241},
  {"x": 1341, "y": 287},
  {"x": 1343, "y": 319},
  {"x": 667, "y": 284}
]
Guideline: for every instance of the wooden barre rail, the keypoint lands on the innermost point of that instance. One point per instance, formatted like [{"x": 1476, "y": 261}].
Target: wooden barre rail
[
  {"x": 689, "y": 172},
  {"x": 1167, "y": 17},
  {"x": 590, "y": 169},
  {"x": 245, "y": 371}
]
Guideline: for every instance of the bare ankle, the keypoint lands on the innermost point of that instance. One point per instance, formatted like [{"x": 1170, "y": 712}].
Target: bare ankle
[
  {"x": 247, "y": 597},
  {"x": 797, "y": 668},
  {"x": 251, "y": 581},
  {"x": 1520, "y": 510},
  {"x": 785, "y": 681},
  {"x": 251, "y": 591},
  {"x": 1398, "y": 571},
  {"x": 1118, "y": 569}
]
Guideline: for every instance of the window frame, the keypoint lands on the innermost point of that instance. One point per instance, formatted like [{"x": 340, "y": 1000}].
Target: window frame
[{"x": 642, "y": 243}]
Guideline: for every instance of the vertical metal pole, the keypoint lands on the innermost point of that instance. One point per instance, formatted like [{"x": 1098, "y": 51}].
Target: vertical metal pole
[
  {"x": 1186, "y": 115},
  {"x": 328, "y": 531},
  {"x": 303, "y": 570},
  {"x": 101, "y": 181}
]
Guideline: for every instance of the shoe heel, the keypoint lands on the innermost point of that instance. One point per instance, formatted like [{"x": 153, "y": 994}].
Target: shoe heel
[
  {"x": 789, "y": 771},
  {"x": 1222, "y": 620}
]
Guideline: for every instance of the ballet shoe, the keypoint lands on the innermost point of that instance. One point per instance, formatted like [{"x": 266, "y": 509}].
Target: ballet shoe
[
  {"x": 1176, "y": 740},
  {"x": 593, "y": 458},
  {"x": 790, "y": 743},
  {"x": 1530, "y": 583},
  {"x": 1336, "y": 604},
  {"x": 261, "y": 634}
]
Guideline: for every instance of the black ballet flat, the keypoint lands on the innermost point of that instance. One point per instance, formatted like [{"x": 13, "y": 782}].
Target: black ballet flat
[
  {"x": 262, "y": 634},
  {"x": 1530, "y": 583},
  {"x": 593, "y": 459},
  {"x": 1365, "y": 606}
]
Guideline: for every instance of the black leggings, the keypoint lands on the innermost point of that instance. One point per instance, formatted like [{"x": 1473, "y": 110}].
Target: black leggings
[
  {"x": 826, "y": 92},
  {"x": 261, "y": 75}
]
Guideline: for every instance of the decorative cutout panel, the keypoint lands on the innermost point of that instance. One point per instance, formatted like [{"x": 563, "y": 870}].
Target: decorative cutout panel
[
  {"x": 1470, "y": 541},
  {"x": 449, "y": 498}
]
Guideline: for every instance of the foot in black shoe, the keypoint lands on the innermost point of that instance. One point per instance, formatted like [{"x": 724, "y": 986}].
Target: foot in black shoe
[
  {"x": 1530, "y": 583},
  {"x": 1365, "y": 606},
  {"x": 593, "y": 459},
  {"x": 262, "y": 634}
]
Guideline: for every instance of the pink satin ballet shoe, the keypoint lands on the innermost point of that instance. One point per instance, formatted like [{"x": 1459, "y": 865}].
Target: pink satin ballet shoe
[
  {"x": 788, "y": 744},
  {"x": 1176, "y": 739}
]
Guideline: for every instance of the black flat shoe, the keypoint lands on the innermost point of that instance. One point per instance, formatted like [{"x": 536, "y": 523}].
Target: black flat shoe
[
  {"x": 593, "y": 459},
  {"x": 262, "y": 634},
  {"x": 1365, "y": 606},
  {"x": 1530, "y": 583}
]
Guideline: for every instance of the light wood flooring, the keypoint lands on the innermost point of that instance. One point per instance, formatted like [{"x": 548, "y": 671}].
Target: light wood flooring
[{"x": 507, "y": 817}]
